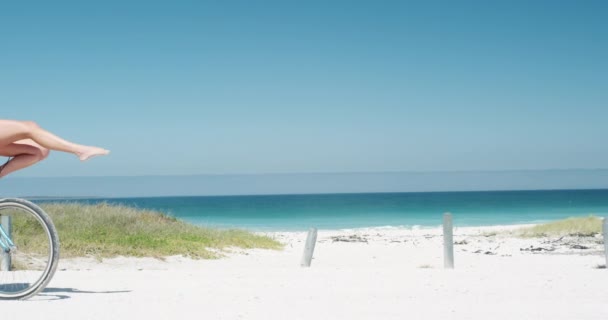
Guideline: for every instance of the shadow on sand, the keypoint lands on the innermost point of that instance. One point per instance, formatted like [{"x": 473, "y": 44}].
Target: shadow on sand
[{"x": 55, "y": 293}]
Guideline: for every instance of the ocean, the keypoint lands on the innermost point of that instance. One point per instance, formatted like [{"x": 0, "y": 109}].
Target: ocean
[{"x": 362, "y": 210}]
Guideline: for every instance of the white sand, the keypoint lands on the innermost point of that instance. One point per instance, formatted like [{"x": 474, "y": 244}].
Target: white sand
[{"x": 396, "y": 274}]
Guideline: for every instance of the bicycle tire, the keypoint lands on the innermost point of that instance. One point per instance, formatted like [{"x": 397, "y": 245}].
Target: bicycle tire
[{"x": 25, "y": 290}]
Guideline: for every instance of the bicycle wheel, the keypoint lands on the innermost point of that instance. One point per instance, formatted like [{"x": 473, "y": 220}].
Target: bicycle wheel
[{"x": 29, "y": 249}]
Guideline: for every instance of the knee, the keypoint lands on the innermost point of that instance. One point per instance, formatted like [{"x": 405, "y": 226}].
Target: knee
[
  {"x": 43, "y": 153},
  {"x": 39, "y": 153},
  {"x": 25, "y": 128},
  {"x": 30, "y": 124}
]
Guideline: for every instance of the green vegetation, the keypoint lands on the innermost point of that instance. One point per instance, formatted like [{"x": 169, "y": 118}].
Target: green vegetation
[
  {"x": 105, "y": 230},
  {"x": 586, "y": 226}
]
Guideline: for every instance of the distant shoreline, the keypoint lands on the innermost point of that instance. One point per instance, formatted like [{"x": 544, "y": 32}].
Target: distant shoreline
[{"x": 403, "y": 210}]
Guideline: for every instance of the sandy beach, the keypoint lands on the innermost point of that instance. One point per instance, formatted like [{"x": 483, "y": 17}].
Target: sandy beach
[{"x": 382, "y": 273}]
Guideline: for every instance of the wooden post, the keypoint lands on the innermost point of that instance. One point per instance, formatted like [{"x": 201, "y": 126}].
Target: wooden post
[
  {"x": 309, "y": 248},
  {"x": 5, "y": 257},
  {"x": 448, "y": 241},
  {"x": 605, "y": 233}
]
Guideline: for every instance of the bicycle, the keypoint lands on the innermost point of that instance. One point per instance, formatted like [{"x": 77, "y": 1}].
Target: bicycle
[{"x": 29, "y": 249}]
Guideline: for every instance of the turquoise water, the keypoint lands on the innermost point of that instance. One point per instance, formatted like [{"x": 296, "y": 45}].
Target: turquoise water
[{"x": 337, "y": 211}]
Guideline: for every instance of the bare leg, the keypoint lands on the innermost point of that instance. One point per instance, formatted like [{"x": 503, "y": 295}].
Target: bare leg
[
  {"x": 11, "y": 131},
  {"x": 24, "y": 155}
]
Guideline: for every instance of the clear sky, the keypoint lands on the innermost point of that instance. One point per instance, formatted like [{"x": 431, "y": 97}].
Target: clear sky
[{"x": 216, "y": 87}]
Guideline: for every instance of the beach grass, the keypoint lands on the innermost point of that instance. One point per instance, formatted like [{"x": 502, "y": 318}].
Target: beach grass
[
  {"x": 580, "y": 226},
  {"x": 107, "y": 230}
]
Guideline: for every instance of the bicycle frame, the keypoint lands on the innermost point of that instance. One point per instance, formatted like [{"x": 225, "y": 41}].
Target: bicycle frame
[{"x": 5, "y": 241}]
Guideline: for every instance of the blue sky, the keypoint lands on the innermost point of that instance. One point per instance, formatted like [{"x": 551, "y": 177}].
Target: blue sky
[{"x": 229, "y": 87}]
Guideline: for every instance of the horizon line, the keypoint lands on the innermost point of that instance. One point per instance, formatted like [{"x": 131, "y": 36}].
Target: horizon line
[{"x": 318, "y": 173}]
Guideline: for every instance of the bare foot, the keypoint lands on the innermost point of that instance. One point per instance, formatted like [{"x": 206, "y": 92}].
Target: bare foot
[{"x": 91, "y": 152}]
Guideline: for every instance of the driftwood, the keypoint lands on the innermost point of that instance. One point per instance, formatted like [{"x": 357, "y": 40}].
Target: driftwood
[
  {"x": 578, "y": 246},
  {"x": 351, "y": 238},
  {"x": 489, "y": 253},
  {"x": 536, "y": 249}
]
